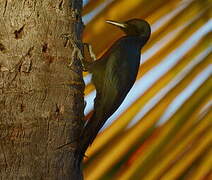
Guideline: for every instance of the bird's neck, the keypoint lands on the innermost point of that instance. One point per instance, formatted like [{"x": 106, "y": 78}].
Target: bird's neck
[{"x": 136, "y": 40}]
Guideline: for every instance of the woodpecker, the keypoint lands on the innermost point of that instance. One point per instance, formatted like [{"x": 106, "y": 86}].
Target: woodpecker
[{"x": 114, "y": 74}]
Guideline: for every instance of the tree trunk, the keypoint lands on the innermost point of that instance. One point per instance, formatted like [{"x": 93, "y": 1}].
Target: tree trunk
[{"x": 41, "y": 89}]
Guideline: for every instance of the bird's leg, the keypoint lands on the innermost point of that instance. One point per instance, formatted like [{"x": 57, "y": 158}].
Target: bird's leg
[{"x": 89, "y": 55}]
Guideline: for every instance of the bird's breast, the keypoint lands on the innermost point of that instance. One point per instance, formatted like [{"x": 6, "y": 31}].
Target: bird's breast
[{"x": 129, "y": 58}]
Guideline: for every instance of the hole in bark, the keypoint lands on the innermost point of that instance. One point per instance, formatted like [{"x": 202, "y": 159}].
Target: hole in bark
[
  {"x": 49, "y": 59},
  {"x": 22, "y": 108},
  {"x": 57, "y": 110},
  {"x": 77, "y": 17},
  {"x": 45, "y": 47},
  {"x": 29, "y": 53},
  {"x": 19, "y": 33},
  {"x": 61, "y": 5},
  {"x": 2, "y": 48}
]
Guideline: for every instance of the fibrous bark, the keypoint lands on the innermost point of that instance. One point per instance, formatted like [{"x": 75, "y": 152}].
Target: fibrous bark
[{"x": 41, "y": 89}]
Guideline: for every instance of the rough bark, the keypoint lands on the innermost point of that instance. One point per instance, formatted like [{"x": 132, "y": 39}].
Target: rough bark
[{"x": 41, "y": 89}]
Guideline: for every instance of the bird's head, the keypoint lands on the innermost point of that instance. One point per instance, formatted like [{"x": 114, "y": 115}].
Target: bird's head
[{"x": 134, "y": 27}]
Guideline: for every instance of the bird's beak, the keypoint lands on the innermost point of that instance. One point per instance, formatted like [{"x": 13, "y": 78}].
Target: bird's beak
[{"x": 119, "y": 24}]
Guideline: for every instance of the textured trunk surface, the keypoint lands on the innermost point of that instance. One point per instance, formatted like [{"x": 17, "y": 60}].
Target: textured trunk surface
[{"x": 41, "y": 89}]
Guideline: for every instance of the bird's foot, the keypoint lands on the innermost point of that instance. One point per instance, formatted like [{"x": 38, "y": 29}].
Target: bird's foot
[
  {"x": 76, "y": 53},
  {"x": 86, "y": 58},
  {"x": 89, "y": 56}
]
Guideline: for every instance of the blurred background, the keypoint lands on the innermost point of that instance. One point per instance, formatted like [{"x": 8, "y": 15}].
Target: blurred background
[{"x": 163, "y": 128}]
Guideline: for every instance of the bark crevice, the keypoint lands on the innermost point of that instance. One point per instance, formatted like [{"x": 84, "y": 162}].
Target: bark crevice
[{"x": 41, "y": 97}]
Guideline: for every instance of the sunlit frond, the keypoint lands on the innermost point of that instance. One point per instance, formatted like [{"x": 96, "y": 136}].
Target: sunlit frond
[{"x": 163, "y": 128}]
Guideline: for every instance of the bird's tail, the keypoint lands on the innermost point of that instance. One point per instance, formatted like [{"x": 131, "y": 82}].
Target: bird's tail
[
  {"x": 88, "y": 134},
  {"x": 90, "y": 131}
]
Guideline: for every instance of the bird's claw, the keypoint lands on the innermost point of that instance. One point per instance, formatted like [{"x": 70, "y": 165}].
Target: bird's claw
[{"x": 76, "y": 49}]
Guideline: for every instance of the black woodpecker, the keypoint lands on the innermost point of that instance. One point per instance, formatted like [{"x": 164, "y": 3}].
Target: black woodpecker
[{"x": 114, "y": 74}]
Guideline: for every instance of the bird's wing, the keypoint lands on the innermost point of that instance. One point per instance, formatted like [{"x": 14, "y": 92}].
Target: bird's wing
[{"x": 114, "y": 90}]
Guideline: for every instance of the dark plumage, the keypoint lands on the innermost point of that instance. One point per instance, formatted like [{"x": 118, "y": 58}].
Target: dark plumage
[{"x": 114, "y": 75}]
